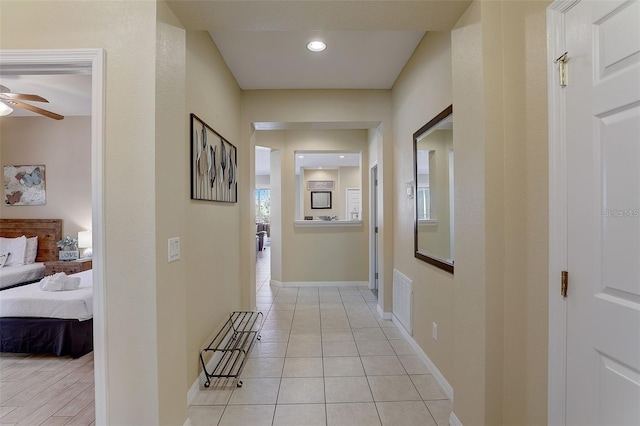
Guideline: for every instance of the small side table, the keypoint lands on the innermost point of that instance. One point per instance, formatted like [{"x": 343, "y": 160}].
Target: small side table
[{"x": 67, "y": 266}]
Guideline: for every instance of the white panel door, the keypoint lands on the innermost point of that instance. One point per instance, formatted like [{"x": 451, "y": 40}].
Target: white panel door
[
  {"x": 353, "y": 204},
  {"x": 603, "y": 217}
]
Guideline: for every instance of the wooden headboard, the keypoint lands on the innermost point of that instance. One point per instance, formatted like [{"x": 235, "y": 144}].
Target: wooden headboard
[{"x": 48, "y": 231}]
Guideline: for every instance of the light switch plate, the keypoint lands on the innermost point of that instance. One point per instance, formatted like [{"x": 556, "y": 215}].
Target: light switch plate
[{"x": 174, "y": 249}]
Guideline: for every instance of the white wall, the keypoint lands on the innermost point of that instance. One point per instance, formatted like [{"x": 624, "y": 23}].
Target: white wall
[{"x": 263, "y": 182}]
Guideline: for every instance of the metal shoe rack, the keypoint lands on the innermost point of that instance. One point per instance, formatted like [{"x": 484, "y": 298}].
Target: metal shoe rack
[{"x": 231, "y": 345}]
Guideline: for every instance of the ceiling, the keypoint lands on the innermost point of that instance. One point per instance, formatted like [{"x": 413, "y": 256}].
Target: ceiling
[
  {"x": 368, "y": 41},
  {"x": 325, "y": 160},
  {"x": 263, "y": 42},
  {"x": 68, "y": 94}
]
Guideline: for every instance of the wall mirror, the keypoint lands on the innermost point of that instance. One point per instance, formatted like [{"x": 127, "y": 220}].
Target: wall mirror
[{"x": 433, "y": 177}]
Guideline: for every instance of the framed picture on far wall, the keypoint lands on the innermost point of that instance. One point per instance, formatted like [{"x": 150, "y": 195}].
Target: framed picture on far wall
[
  {"x": 214, "y": 164},
  {"x": 320, "y": 199},
  {"x": 24, "y": 186}
]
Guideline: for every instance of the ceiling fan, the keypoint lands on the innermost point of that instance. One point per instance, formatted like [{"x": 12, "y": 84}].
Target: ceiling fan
[{"x": 9, "y": 99}]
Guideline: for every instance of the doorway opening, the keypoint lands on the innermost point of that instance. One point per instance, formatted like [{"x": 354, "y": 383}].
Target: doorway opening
[
  {"x": 373, "y": 241},
  {"x": 91, "y": 62},
  {"x": 262, "y": 193}
]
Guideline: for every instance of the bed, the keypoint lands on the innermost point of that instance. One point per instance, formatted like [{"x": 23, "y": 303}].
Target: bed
[
  {"x": 57, "y": 322},
  {"x": 36, "y": 321},
  {"x": 48, "y": 231}
]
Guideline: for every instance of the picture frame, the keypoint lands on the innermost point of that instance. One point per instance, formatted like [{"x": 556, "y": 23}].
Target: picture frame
[
  {"x": 320, "y": 199},
  {"x": 214, "y": 164},
  {"x": 24, "y": 185},
  {"x": 326, "y": 185}
]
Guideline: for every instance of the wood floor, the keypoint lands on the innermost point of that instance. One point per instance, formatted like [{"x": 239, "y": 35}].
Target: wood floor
[{"x": 46, "y": 390}]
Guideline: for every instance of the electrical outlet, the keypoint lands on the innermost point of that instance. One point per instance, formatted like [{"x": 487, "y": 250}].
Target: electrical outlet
[
  {"x": 174, "y": 249},
  {"x": 434, "y": 331}
]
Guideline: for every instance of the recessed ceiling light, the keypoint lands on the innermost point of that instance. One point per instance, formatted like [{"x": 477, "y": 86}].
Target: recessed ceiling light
[
  {"x": 316, "y": 46},
  {"x": 300, "y": 156},
  {"x": 342, "y": 156}
]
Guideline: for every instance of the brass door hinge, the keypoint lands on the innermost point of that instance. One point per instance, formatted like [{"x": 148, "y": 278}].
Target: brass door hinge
[
  {"x": 564, "y": 283},
  {"x": 562, "y": 68}
]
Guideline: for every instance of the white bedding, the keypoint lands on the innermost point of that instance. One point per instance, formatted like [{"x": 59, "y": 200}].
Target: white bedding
[
  {"x": 10, "y": 275},
  {"x": 29, "y": 301}
]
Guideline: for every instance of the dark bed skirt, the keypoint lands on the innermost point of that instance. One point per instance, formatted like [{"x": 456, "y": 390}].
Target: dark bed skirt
[{"x": 46, "y": 336}]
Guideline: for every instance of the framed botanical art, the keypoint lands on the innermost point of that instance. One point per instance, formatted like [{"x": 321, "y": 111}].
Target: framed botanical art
[
  {"x": 24, "y": 185},
  {"x": 214, "y": 164}
]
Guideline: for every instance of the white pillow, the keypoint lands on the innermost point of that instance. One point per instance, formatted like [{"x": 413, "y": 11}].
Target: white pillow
[
  {"x": 3, "y": 259},
  {"x": 31, "y": 251},
  {"x": 16, "y": 248}
]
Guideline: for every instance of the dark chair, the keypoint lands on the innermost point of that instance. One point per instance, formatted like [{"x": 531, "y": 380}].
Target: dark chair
[{"x": 261, "y": 235}]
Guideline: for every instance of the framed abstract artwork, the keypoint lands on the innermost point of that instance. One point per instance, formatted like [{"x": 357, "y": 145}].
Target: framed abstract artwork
[
  {"x": 214, "y": 164},
  {"x": 24, "y": 185}
]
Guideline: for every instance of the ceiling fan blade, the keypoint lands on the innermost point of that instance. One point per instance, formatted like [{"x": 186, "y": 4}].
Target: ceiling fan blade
[
  {"x": 21, "y": 96},
  {"x": 35, "y": 109}
]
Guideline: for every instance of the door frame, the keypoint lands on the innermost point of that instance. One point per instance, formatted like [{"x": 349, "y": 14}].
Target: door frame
[
  {"x": 557, "y": 354},
  {"x": 374, "y": 249},
  {"x": 93, "y": 61}
]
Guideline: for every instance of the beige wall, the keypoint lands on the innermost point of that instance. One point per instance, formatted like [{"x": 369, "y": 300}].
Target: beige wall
[
  {"x": 422, "y": 91},
  {"x": 305, "y": 194},
  {"x": 327, "y": 106},
  {"x": 129, "y": 159},
  {"x": 306, "y": 252},
  {"x": 143, "y": 302},
  {"x": 492, "y": 317},
  {"x": 526, "y": 221},
  {"x": 171, "y": 206},
  {"x": 343, "y": 178},
  {"x": 499, "y": 97},
  {"x": 212, "y": 248},
  {"x": 64, "y": 148}
]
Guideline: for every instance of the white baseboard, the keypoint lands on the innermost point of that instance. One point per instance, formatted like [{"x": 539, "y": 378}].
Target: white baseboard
[
  {"x": 276, "y": 283},
  {"x": 202, "y": 377},
  {"x": 383, "y": 315},
  {"x": 446, "y": 387},
  {"x": 453, "y": 420},
  {"x": 195, "y": 387},
  {"x": 324, "y": 284}
]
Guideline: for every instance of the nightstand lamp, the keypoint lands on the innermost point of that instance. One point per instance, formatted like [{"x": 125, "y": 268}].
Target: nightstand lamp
[{"x": 85, "y": 241}]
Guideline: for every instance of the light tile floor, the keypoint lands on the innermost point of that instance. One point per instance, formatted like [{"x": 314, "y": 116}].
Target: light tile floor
[{"x": 325, "y": 358}]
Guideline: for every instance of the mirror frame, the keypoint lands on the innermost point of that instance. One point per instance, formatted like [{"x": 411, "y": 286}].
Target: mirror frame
[{"x": 416, "y": 136}]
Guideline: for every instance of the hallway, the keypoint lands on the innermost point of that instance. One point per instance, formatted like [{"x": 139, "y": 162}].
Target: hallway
[{"x": 325, "y": 358}]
